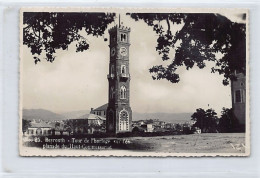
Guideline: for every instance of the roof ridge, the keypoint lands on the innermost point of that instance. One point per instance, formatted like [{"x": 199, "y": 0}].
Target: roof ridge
[{"x": 102, "y": 107}]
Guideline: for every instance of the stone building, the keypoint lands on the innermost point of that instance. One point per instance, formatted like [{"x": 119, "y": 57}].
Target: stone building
[
  {"x": 100, "y": 111},
  {"x": 238, "y": 92},
  {"x": 119, "y": 113}
]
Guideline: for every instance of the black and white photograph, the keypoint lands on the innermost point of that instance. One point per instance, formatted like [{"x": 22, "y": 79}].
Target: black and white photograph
[{"x": 134, "y": 82}]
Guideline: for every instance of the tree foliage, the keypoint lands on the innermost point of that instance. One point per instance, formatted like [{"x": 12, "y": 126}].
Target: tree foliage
[
  {"x": 228, "y": 122},
  {"x": 205, "y": 120},
  {"x": 77, "y": 126},
  {"x": 47, "y": 32},
  {"x": 200, "y": 39},
  {"x": 25, "y": 125},
  {"x": 202, "y": 36}
]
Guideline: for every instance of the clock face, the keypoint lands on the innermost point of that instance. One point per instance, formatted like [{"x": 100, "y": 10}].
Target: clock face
[
  {"x": 123, "y": 51},
  {"x": 113, "y": 51},
  {"x": 123, "y": 115}
]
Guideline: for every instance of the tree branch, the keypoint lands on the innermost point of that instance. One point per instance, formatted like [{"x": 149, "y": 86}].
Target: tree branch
[{"x": 169, "y": 26}]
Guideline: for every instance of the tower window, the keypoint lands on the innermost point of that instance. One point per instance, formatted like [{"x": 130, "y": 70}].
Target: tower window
[
  {"x": 238, "y": 96},
  {"x": 123, "y": 37},
  {"x": 112, "y": 92},
  {"x": 123, "y": 92},
  {"x": 112, "y": 69},
  {"x": 123, "y": 69}
]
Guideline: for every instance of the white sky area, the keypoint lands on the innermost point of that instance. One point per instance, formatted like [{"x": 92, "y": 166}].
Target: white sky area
[{"x": 78, "y": 81}]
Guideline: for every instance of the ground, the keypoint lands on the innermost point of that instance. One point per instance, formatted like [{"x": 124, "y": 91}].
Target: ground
[
  {"x": 195, "y": 143},
  {"x": 211, "y": 144}
]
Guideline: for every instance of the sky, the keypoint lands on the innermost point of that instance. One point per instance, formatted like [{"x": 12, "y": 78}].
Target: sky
[{"x": 78, "y": 81}]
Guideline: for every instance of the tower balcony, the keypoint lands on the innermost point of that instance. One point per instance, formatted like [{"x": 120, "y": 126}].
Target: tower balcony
[
  {"x": 111, "y": 76},
  {"x": 124, "y": 76}
]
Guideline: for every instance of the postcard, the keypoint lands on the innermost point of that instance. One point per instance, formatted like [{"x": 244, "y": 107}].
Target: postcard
[{"x": 134, "y": 82}]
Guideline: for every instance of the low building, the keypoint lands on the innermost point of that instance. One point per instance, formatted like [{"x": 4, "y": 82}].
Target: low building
[
  {"x": 140, "y": 122},
  {"x": 96, "y": 120},
  {"x": 197, "y": 130},
  {"x": 89, "y": 124},
  {"x": 39, "y": 128},
  {"x": 100, "y": 111},
  {"x": 162, "y": 124},
  {"x": 169, "y": 126},
  {"x": 148, "y": 127}
]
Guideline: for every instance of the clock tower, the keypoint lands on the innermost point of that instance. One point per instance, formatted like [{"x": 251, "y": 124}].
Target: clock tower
[{"x": 119, "y": 113}]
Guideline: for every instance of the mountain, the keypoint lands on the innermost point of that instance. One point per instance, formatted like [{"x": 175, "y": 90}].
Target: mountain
[
  {"x": 167, "y": 117},
  {"x": 30, "y": 114},
  {"x": 83, "y": 116},
  {"x": 75, "y": 114}
]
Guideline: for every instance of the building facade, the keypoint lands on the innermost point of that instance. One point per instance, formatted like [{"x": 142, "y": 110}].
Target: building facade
[
  {"x": 119, "y": 113},
  {"x": 100, "y": 111},
  {"x": 238, "y": 92},
  {"x": 39, "y": 129}
]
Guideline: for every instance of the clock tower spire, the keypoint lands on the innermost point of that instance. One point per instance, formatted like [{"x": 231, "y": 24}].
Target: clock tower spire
[{"x": 119, "y": 113}]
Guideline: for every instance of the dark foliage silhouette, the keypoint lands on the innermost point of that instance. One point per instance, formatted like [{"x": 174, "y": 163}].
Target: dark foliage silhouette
[
  {"x": 200, "y": 39},
  {"x": 205, "y": 120},
  {"x": 45, "y": 32}
]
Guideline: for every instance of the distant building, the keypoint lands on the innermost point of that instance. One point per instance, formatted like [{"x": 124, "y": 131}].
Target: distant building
[
  {"x": 100, "y": 111},
  {"x": 89, "y": 125},
  {"x": 197, "y": 130},
  {"x": 147, "y": 127},
  {"x": 169, "y": 126},
  {"x": 140, "y": 122},
  {"x": 162, "y": 124},
  {"x": 238, "y": 92},
  {"x": 144, "y": 128},
  {"x": 39, "y": 128},
  {"x": 96, "y": 120}
]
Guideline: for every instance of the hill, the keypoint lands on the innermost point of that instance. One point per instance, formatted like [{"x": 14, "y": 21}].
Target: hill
[
  {"x": 42, "y": 114},
  {"x": 30, "y": 114},
  {"x": 75, "y": 114}
]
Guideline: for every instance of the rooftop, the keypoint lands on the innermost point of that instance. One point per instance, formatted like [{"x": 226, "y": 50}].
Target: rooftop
[
  {"x": 40, "y": 125},
  {"x": 95, "y": 117},
  {"x": 103, "y": 107},
  {"x": 121, "y": 27}
]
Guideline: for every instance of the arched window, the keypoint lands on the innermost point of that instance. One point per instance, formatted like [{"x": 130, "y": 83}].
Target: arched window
[
  {"x": 123, "y": 92},
  {"x": 112, "y": 69},
  {"x": 123, "y": 37},
  {"x": 123, "y": 69},
  {"x": 112, "y": 92},
  {"x": 110, "y": 121},
  {"x": 124, "y": 120},
  {"x": 238, "y": 96}
]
